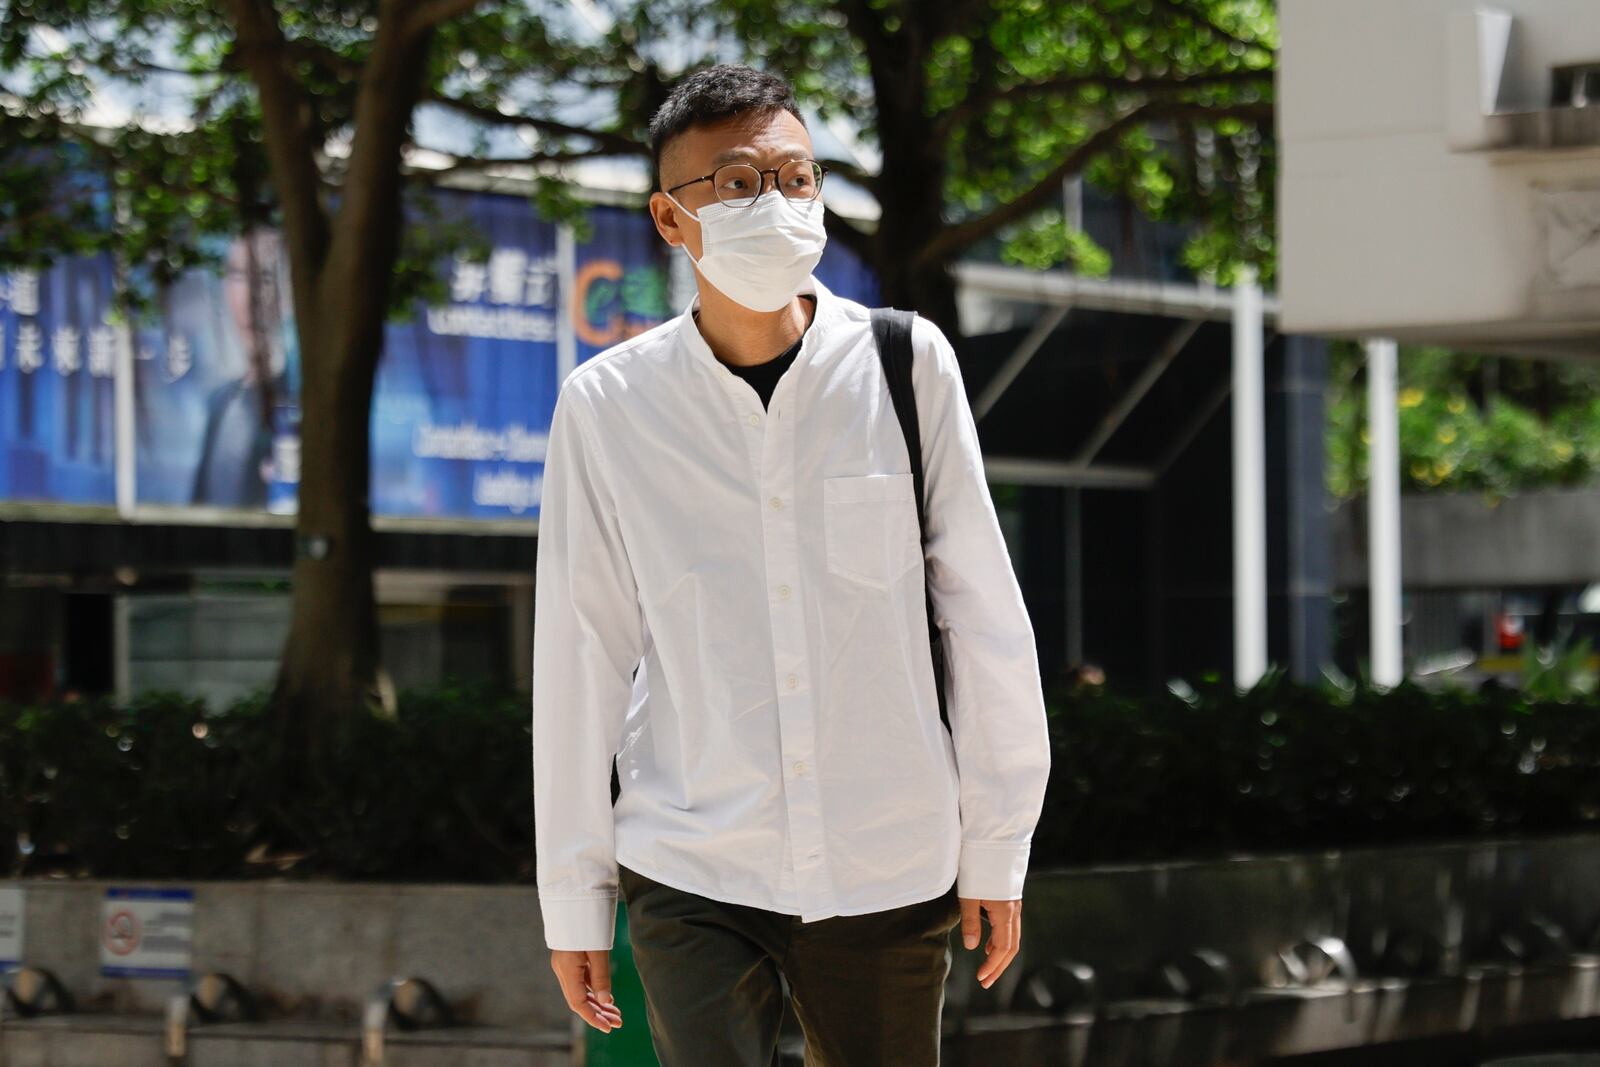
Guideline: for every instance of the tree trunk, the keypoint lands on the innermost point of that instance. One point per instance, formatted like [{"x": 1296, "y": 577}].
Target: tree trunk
[
  {"x": 913, "y": 172},
  {"x": 342, "y": 273},
  {"x": 909, "y": 216},
  {"x": 928, "y": 290},
  {"x": 330, "y": 663},
  {"x": 331, "y": 659}
]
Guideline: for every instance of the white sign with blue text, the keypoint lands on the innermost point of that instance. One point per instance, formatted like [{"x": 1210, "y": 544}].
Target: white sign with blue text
[
  {"x": 146, "y": 933},
  {"x": 11, "y": 904}
]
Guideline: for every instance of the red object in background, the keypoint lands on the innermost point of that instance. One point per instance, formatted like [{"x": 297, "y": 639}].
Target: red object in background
[
  {"x": 26, "y": 676},
  {"x": 1508, "y": 631}
]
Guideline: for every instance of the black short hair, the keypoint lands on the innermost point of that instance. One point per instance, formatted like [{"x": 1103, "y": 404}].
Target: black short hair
[{"x": 716, "y": 93}]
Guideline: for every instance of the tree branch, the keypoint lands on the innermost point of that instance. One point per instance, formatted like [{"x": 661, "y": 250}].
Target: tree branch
[
  {"x": 952, "y": 239},
  {"x": 366, "y": 232},
  {"x": 321, "y": 55},
  {"x": 868, "y": 28},
  {"x": 846, "y": 169},
  {"x": 617, "y": 143},
  {"x": 461, "y": 164},
  {"x": 1195, "y": 18},
  {"x": 134, "y": 66},
  {"x": 89, "y": 138},
  {"x": 430, "y": 14},
  {"x": 335, "y": 63},
  {"x": 285, "y": 114},
  {"x": 955, "y": 17},
  {"x": 975, "y": 103}
]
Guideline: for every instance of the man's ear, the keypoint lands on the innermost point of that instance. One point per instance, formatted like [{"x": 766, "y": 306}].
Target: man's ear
[{"x": 665, "y": 215}]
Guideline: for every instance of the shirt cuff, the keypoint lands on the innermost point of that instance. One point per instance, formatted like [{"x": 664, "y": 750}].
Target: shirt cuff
[
  {"x": 580, "y": 924},
  {"x": 992, "y": 870}
]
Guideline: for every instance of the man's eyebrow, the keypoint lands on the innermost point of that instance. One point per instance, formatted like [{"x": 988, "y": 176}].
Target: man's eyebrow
[{"x": 740, "y": 155}]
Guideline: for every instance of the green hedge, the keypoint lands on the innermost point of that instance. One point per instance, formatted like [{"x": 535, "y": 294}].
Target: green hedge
[
  {"x": 164, "y": 787},
  {"x": 1286, "y": 767}
]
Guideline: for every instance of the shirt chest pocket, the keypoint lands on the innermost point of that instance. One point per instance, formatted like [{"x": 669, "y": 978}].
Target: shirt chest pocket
[{"x": 870, "y": 526}]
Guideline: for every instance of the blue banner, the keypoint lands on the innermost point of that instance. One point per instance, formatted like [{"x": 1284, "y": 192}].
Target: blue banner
[
  {"x": 620, "y": 285},
  {"x": 213, "y": 381},
  {"x": 846, "y": 275},
  {"x": 58, "y": 352},
  {"x": 464, "y": 390}
]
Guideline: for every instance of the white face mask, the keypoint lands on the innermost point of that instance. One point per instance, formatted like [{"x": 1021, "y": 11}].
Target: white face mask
[{"x": 760, "y": 255}]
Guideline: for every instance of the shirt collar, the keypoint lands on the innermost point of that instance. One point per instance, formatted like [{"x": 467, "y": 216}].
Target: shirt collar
[{"x": 691, "y": 338}]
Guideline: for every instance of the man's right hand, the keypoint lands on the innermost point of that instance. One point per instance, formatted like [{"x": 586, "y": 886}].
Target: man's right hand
[{"x": 585, "y": 979}]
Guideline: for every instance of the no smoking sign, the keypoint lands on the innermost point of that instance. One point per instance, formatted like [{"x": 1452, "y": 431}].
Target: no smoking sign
[
  {"x": 121, "y": 932},
  {"x": 146, "y": 933}
]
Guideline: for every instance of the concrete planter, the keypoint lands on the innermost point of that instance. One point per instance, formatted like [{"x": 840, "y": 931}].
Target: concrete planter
[
  {"x": 1125, "y": 921},
  {"x": 313, "y": 952}
]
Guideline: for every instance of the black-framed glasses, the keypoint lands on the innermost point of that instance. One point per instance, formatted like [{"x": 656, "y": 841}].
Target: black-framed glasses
[{"x": 739, "y": 184}]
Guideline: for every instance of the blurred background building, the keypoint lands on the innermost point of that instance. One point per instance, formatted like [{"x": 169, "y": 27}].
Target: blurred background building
[
  {"x": 146, "y": 538},
  {"x": 147, "y": 477},
  {"x": 148, "y": 535}
]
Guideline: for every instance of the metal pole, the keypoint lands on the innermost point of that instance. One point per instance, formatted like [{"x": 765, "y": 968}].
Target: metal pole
[
  {"x": 1249, "y": 485},
  {"x": 1383, "y": 511},
  {"x": 1072, "y": 498}
]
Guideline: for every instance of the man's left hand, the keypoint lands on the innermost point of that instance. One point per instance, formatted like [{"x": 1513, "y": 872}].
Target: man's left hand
[{"x": 1005, "y": 933}]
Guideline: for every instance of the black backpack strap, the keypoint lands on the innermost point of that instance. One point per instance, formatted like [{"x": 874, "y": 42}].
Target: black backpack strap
[{"x": 891, "y": 329}]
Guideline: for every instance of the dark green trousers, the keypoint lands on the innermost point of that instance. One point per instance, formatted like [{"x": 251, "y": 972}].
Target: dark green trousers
[{"x": 868, "y": 990}]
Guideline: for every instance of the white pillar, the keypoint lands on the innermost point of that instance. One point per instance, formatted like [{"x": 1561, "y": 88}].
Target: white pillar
[
  {"x": 124, "y": 382},
  {"x": 1249, "y": 485},
  {"x": 1383, "y": 511},
  {"x": 566, "y": 307},
  {"x": 123, "y": 418}
]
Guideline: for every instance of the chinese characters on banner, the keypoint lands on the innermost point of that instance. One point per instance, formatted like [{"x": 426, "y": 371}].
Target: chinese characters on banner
[
  {"x": 57, "y": 361},
  {"x": 466, "y": 388}
]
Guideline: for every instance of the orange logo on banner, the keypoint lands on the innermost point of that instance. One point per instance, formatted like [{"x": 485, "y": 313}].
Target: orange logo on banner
[{"x": 616, "y": 328}]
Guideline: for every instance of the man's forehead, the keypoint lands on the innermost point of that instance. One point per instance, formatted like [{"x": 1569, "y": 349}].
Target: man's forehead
[
  {"x": 748, "y": 154},
  {"x": 746, "y": 138}
]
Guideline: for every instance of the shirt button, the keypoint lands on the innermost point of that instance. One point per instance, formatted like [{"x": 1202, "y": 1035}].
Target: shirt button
[
  {"x": 776, "y": 502},
  {"x": 800, "y": 767},
  {"x": 792, "y": 680},
  {"x": 783, "y": 591},
  {"x": 754, "y": 420}
]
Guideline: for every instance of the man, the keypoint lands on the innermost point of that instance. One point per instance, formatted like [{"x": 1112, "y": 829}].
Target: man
[
  {"x": 727, "y": 507},
  {"x": 234, "y": 468}
]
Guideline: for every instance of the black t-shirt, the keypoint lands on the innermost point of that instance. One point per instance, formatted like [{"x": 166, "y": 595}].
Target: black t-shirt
[{"x": 764, "y": 376}]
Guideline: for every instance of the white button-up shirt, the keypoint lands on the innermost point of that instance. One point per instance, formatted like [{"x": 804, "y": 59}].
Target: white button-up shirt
[{"x": 779, "y": 744}]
